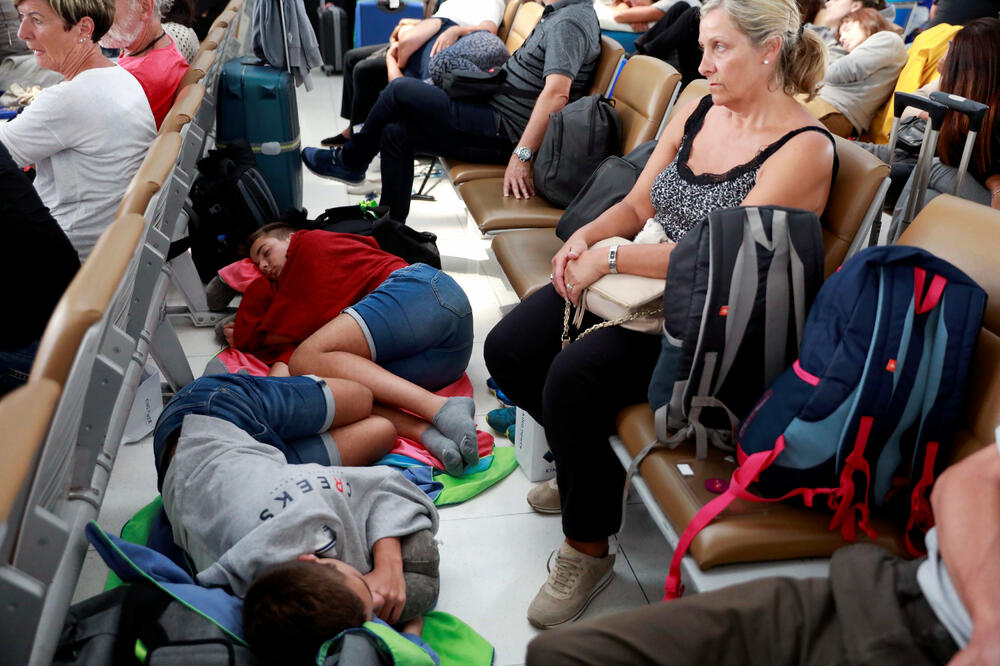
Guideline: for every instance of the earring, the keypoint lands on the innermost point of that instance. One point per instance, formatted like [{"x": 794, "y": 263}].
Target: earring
[{"x": 767, "y": 62}]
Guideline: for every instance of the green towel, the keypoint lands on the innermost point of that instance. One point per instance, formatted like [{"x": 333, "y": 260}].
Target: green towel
[
  {"x": 462, "y": 488},
  {"x": 136, "y": 530},
  {"x": 456, "y": 643}
]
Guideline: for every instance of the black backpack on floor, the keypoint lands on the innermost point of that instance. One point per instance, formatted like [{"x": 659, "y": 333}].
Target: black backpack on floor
[
  {"x": 142, "y": 624},
  {"x": 231, "y": 200},
  {"x": 366, "y": 219}
]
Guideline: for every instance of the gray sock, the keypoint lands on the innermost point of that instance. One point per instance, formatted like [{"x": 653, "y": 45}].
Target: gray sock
[
  {"x": 456, "y": 421},
  {"x": 443, "y": 449}
]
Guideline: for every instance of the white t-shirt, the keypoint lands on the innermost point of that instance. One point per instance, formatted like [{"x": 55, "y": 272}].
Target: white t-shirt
[
  {"x": 472, "y": 12},
  {"x": 86, "y": 138}
]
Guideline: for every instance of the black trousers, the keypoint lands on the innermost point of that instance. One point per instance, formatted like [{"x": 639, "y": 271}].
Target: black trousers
[
  {"x": 869, "y": 611},
  {"x": 676, "y": 32},
  {"x": 364, "y": 79},
  {"x": 413, "y": 118},
  {"x": 576, "y": 394}
]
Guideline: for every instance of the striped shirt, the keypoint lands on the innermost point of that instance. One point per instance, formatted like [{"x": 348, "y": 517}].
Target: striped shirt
[{"x": 566, "y": 41}]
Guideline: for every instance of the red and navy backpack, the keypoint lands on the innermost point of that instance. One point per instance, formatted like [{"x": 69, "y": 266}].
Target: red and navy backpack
[{"x": 869, "y": 406}]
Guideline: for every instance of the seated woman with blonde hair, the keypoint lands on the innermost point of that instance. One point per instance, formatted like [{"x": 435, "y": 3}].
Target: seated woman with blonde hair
[{"x": 747, "y": 143}]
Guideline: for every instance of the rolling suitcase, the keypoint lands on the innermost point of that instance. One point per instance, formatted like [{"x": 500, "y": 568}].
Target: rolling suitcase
[
  {"x": 375, "y": 19},
  {"x": 937, "y": 108},
  {"x": 334, "y": 37},
  {"x": 257, "y": 102}
]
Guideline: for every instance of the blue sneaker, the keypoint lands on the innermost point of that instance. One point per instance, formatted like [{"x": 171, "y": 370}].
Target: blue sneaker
[
  {"x": 510, "y": 432},
  {"x": 491, "y": 384},
  {"x": 327, "y": 163},
  {"x": 501, "y": 419}
]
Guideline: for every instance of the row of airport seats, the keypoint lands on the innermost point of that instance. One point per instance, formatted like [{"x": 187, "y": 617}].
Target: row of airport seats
[
  {"x": 751, "y": 540},
  {"x": 62, "y": 430},
  {"x": 524, "y": 230}
]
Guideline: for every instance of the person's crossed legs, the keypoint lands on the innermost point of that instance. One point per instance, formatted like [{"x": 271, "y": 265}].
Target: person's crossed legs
[
  {"x": 311, "y": 420},
  {"x": 410, "y": 118},
  {"x": 446, "y": 426}
]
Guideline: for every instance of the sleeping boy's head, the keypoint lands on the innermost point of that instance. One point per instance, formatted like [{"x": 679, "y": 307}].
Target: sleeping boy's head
[
  {"x": 268, "y": 247},
  {"x": 294, "y": 607}
]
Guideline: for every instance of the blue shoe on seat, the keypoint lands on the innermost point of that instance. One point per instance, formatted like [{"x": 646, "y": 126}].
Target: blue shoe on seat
[
  {"x": 501, "y": 419},
  {"x": 327, "y": 163}
]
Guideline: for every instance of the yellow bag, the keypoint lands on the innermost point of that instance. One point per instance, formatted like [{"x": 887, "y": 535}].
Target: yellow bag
[{"x": 920, "y": 69}]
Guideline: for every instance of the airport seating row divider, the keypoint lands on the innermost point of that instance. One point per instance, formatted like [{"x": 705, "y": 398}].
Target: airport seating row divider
[{"x": 64, "y": 427}]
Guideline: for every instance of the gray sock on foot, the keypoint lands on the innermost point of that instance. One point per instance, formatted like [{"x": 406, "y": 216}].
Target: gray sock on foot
[
  {"x": 443, "y": 449},
  {"x": 456, "y": 421}
]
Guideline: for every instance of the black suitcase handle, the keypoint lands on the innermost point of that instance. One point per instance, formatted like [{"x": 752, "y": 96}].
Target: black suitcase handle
[
  {"x": 976, "y": 111},
  {"x": 935, "y": 111}
]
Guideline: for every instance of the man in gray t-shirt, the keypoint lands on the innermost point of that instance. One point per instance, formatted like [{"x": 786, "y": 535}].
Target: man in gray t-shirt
[
  {"x": 553, "y": 67},
  {"x": 874, "y": 608}
]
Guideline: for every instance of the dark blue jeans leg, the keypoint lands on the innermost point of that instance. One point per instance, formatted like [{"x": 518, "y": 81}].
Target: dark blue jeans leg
[
  {"x": 15, "y": 366},
  {"x": 412, "y": 117}
]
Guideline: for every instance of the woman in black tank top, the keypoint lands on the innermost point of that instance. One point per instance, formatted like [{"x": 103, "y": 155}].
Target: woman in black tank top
[{"x": 749, "y": 142}]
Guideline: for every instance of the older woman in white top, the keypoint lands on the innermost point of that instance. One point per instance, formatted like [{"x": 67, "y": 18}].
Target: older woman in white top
[{"x": 87, "y": 135}]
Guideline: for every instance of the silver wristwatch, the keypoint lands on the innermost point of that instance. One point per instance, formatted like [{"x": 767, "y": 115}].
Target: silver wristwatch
[
  {"x": 613, "y": 259},
  {"x": 523, "y": 153}
]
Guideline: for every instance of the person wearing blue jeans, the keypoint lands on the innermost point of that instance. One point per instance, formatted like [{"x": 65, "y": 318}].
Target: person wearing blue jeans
[
  {"x": 308, "y": 419},
  {"x": 342, "y": 307},
  {"x": 411, "y": 117}
]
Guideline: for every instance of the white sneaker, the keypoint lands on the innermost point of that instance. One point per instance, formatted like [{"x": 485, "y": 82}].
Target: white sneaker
[
  {"x": 574, "y": 581},
  {"x": 365, "y": 188}
]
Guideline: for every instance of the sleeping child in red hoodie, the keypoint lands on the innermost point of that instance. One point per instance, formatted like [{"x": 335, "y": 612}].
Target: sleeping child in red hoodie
[{"x": 336, "y": 305}]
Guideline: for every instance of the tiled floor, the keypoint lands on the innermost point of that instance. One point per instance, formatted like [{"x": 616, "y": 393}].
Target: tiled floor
[{"x": 493, "y": 547}]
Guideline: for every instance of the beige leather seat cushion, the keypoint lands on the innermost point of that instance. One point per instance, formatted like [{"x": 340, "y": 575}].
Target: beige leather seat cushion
[
  {"x": 953, "y": 229},
  {"x": 202, "y": 63},
  {"x": 184, "y": 108},
  {"x": 152, "y": 173},
  {"x": 526, "y": 257},
  {"x": 746, "y": 531},
  {"x": 492, "y": 211},
  {"x": 25, "y": 414}
]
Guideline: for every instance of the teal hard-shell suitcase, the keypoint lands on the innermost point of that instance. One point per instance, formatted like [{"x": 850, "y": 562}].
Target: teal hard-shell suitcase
[{"x": 257, "y": 102}]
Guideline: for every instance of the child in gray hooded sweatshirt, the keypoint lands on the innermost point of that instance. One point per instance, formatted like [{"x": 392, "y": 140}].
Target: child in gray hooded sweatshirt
[{"x": 341, "y": 535}]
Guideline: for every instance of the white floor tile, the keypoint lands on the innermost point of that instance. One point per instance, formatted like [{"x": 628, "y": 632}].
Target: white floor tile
[
  {"x": 491, "y": 568},
  {"x": 646, "y": 550}
]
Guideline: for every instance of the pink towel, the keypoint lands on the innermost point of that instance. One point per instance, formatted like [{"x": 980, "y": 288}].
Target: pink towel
[{"x": 240, "y": 274}]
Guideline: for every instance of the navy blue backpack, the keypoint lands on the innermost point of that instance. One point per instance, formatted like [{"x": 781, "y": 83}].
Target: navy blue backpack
[{"x": 870, "y": 404}]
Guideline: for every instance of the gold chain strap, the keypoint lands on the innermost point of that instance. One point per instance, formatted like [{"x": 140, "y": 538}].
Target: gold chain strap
[{"x": 639, "y": 314}]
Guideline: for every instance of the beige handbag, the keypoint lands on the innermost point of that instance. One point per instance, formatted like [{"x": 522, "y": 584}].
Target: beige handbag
[{"x": 630, "y": 301}]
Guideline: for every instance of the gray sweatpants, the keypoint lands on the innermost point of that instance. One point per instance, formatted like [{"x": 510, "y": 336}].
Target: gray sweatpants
[
  {"x": 869, "y": 611},
  {"x": 420, "y": 572}
]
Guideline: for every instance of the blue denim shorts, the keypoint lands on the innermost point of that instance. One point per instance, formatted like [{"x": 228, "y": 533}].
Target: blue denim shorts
[
  {"x": 293, "y": 414},
  {"x": 418, "y": 324}
]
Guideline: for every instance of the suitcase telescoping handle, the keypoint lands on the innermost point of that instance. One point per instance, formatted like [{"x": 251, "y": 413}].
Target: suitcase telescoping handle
[
  {"x": 975, "y": 112},
  {"x": 921, "y": 172},
  {"x": 935, "y": 113}
]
